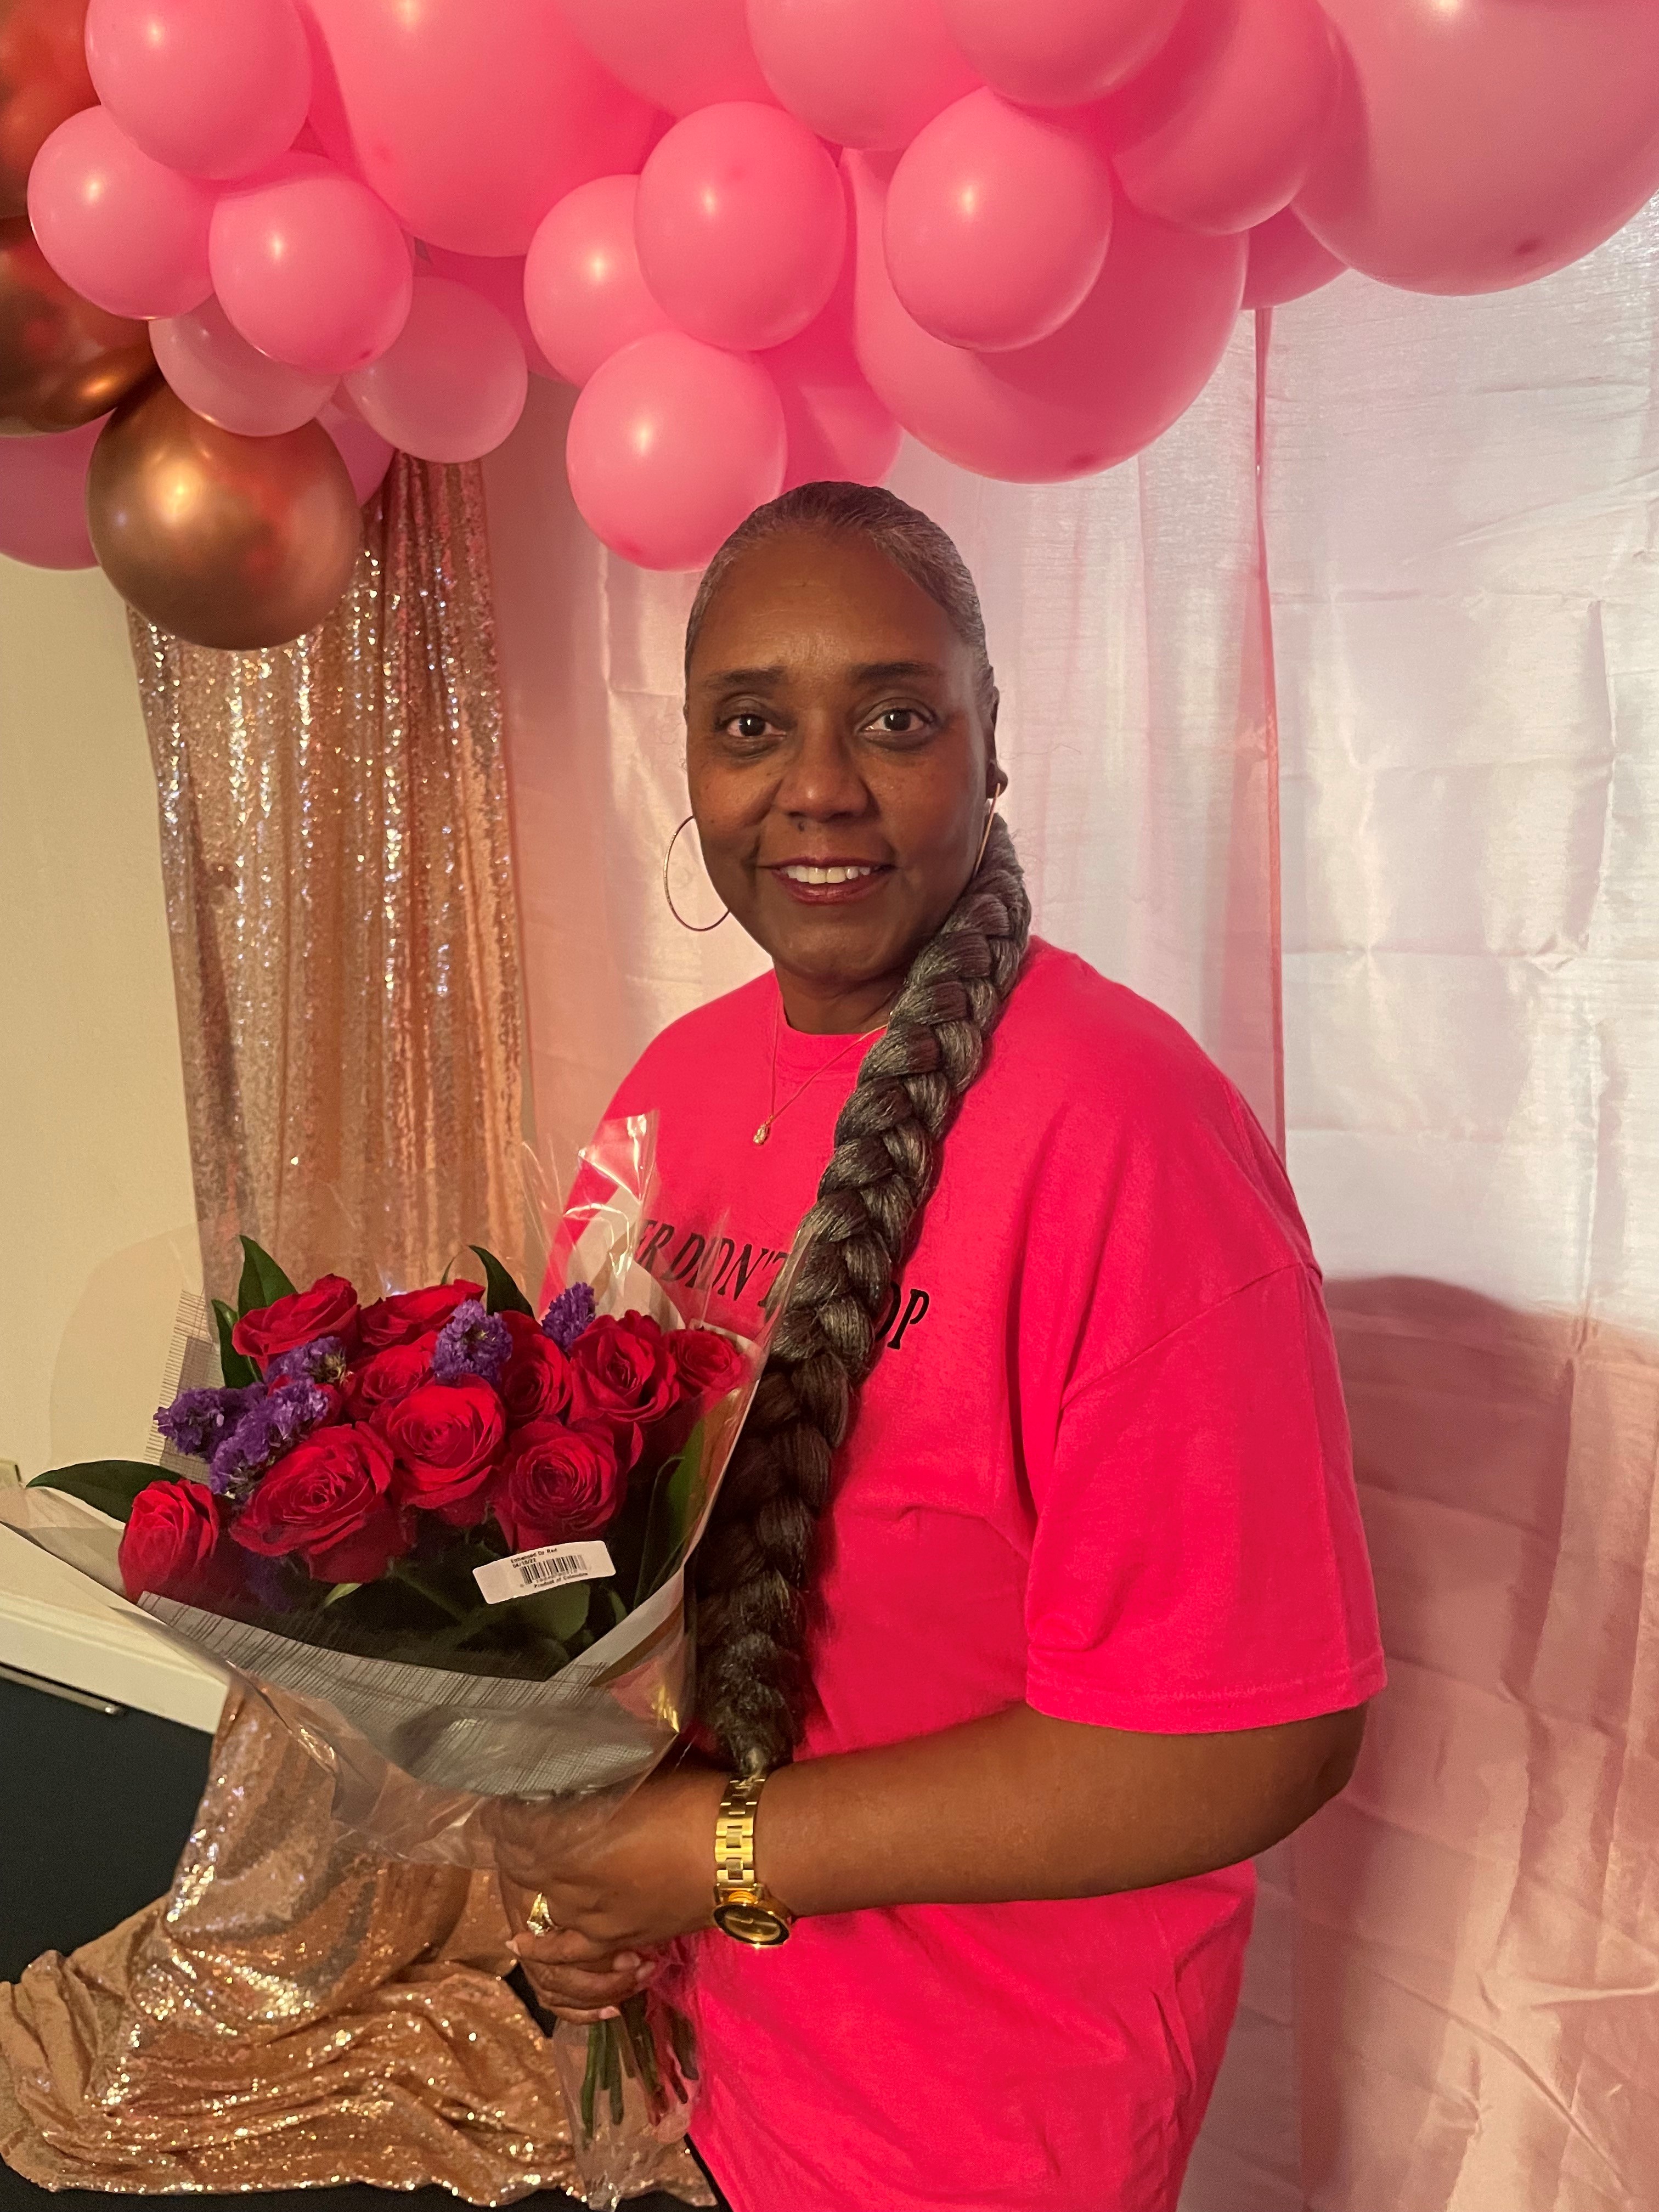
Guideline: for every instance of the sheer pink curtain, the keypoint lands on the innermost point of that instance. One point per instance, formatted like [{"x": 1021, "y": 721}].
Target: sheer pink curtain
[
  {"x": 1451, "y": 2004},
  {"x": 1461, "y": 517}
]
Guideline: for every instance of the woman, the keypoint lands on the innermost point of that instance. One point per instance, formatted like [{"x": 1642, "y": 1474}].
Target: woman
[{"x": 1042, "y": 1553}]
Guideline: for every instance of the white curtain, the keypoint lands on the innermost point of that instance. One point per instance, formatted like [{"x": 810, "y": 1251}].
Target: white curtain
[{"x": 1449, "y": 1008}]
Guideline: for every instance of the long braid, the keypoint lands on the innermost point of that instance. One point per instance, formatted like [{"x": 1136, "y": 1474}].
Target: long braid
[{"x": 755, "y": 1561}]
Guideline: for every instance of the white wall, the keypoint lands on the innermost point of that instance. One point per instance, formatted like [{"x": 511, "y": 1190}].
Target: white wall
[{"x": 97, "y": 1221}]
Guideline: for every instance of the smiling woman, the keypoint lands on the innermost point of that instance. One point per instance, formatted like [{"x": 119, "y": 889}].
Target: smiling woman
[
  {"x": 1036, "y": 1600},
  {"x": 841, "y": 786}
]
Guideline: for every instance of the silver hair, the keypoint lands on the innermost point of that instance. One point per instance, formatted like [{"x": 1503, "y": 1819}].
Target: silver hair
[
  {"x": 911, "y": 540},
  {"x": 755, "y": 1563}
]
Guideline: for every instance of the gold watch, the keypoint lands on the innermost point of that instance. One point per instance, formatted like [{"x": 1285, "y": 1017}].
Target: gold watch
[{"x": 744, "y": 1908}]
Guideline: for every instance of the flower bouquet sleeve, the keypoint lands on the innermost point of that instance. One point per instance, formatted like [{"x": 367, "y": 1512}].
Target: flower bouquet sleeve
[{"x": 443, "y": 1536}]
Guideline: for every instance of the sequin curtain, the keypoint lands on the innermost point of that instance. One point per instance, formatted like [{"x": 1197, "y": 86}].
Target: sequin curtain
[
  {"x": 336, "y": 851},
  {"x": 296, "y": 2013}
]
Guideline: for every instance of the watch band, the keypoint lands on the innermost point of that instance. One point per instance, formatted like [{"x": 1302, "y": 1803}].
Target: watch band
[{"x": 744, "y": 1908}]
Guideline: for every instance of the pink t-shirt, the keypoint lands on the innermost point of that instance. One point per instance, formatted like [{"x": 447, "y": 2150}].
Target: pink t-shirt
[{"x": 1101, "y": 1465}]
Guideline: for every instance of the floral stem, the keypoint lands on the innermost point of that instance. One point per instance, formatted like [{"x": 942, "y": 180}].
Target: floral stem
[
  {"x": 403, "y": 1573},
  {"x": 591, "y": 2078}
]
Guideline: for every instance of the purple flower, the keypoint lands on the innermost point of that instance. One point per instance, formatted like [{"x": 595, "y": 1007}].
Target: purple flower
[
  {"x": 264, "y": 1432},
  {"x": 198, "y": 1421},
  {"x": 471, "y": 1343},
  {"x": 570, "y": 1313},
  {"x": 322, "y": 1360}
]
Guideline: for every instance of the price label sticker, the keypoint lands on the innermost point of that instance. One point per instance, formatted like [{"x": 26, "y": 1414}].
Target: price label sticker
[{"x": 527, "y": 1573}]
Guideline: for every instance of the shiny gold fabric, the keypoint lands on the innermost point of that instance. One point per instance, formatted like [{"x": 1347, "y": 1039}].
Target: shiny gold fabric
[
  {"x": 295, "y": 2012},
  {"x": 336, "y": 851}
]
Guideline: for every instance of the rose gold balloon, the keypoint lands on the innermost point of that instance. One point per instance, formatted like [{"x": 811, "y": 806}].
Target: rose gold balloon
[
  {"x": 63, "y": 361},
  {"x": 43, "y": 81},
  {"x": 225, "y": 541}
]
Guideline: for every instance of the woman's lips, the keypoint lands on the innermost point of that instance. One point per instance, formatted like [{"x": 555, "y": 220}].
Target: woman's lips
[{"x": 829, "y": 883}]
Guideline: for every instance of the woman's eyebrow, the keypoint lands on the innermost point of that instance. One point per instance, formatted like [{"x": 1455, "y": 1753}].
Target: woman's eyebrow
[
  {"x": 740, "y": 679},
  {"x": 890, "y": 671}
]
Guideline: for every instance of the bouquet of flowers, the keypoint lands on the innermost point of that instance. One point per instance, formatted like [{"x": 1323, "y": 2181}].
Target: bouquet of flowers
[{"x": 445, "y": 1537}]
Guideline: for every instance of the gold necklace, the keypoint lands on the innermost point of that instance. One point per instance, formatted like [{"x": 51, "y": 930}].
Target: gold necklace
[{"x": 773, "y": 1110}]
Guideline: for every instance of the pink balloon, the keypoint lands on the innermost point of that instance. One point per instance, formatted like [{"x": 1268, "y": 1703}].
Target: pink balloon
[
  {"x": 1220, "y": 131},
  {"x": 366, "y": 454},
  {"x": 681, "y": 54},
  {"x": 127, "y": 233},
  {"x": 1058, "y": 53},
  {"x": 468, "y": 117},
  {"x": 217, "y": 373},
  {"x": 671, "y": 443},
  {"x": 1477, "y": 147},
  {"x": 500, "y": 279},
  {"x": 997, "y": 223},
  {"x": 43, "y": 498},
  {"x": 583, "y": 286},
  {"x": 310, "y": 267},
  {"x": 1136, "y": 354},
  {"x": 214, "y": 90},
  {"x": 453, "y": 385},
  {"x": 741, "y": 225},
  {"x": 1287, "y": 263},
  {"x": 839, "y": 432},
  {"x": 865, "y": 73}
]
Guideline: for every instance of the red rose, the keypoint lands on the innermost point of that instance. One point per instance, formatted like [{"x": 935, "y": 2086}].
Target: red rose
[
  {"x": 708, "y": 1364},
  {"x": 557, "y": 1485},
  {"x": 445, "y": 1436},
  {"x": 329, "y": 1308},
  {"x": 389, "y": 1376},
  {"x": 624, "y": 1440},
  {"x": 410, "y": 1314},
  {"x": 536, "y": 1383},
  {"x": 623, "y": 1368},
  {"x": 328, "y": 1500},
  {"x": 172, "y": 1534}
]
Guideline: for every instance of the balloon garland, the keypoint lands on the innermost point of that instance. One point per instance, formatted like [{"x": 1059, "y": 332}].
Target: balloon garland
[{"x": 273, "y": 240}]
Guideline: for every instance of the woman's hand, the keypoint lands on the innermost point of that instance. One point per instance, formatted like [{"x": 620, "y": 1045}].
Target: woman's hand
[
  {"x": 615, "y": 1897},
  {"x": 577, "y": 1979}
]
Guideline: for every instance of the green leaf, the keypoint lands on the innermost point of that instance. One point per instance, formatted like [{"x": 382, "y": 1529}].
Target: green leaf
[
  {"x": 238, "y": 1370},
  {"x": 262, "y": 1281},
  {"x": 501, "y": 1293},
  {"x": 110, "y": 1484},
  {"x": 339, "y": 1590},
  {"x": 556, "y": 1613},
  {"x": 673, "y": 1508}
]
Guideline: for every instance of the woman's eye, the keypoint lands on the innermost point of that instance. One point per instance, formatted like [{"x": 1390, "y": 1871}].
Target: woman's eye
[
  {"x": 749, "y": 726},
  {"x": 900, "y": 722}
]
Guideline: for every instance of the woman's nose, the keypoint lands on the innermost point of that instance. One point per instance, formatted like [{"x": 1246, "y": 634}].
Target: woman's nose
[{"x": 822, "y": 778}]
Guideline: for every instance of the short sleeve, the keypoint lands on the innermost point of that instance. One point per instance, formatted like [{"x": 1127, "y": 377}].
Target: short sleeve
[{"x": 1198, "y": 1562}]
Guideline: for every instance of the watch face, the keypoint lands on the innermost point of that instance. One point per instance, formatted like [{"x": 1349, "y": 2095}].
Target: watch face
[{"x": 750, "y": 1922}]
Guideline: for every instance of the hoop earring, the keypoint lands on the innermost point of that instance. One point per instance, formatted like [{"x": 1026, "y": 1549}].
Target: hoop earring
[
  {"x": 697, "y": 928},
  {"x": 990, "y": 817}
]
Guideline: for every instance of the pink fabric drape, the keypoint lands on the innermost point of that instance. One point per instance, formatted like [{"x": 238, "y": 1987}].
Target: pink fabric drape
[{"x": 1410, "y": 599}]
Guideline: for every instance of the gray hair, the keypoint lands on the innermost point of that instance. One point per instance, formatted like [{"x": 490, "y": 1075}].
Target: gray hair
[
  {"x": 754, "y": 1564},
  {"x": 911, "y": 540}
]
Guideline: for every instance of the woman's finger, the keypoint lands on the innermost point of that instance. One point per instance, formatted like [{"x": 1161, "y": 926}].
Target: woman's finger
[
  {"x": 559, "y": 1987},
  {"x": 569, "y": 1946}
]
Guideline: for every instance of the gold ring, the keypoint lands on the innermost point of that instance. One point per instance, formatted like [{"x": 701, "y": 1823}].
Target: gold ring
[{"x": 539, "y": 1919}]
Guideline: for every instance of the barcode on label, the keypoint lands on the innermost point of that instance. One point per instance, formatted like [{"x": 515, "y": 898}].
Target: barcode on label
[
  {"x": 549, "y": 1568},
  {"x": 562, "y": 1567}
]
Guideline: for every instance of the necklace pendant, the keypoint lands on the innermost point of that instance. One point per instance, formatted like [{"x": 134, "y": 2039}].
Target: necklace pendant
[{"x": 762, "y": 1133}]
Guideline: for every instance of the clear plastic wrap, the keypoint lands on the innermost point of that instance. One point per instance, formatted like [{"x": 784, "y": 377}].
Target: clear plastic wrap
[{"x": 436, "y": 1730}]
